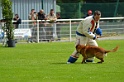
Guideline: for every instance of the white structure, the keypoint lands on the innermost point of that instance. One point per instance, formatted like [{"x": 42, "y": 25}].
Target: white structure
[{"x": 23, "y": 7}]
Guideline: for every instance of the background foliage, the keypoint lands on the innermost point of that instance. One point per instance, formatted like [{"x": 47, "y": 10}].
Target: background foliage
[
  {"x": 79, "y": 8},
  {"x": 8, "y": 16}
]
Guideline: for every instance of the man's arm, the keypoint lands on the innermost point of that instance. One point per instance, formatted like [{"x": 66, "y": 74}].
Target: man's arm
[{"x": 86, "y": 30}]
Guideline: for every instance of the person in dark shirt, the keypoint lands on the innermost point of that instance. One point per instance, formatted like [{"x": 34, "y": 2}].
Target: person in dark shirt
[
  {"x": 58, "y": 16},
  {"x": 41, "y": 16},
  {"x": 17, "y": 21}
]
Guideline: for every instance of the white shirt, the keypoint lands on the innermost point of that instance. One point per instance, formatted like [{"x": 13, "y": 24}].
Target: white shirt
[{"x": 87, "y": 27}]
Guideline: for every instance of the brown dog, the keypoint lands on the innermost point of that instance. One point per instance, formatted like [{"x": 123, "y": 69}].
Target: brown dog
[{"x": 93, "y": 51}]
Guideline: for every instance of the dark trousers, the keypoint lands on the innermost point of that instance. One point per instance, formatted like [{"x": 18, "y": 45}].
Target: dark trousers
[{"x": 49, "y": 33}]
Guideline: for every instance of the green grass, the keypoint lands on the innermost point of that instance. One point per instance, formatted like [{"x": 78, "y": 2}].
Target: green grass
[{"x": 46, "y": 62}]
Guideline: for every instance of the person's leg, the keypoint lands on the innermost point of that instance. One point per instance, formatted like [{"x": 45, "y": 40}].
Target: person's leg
[
  {"x": 91, "y": 43},
  {"x": 58, "y": 32},
  {"x": 48, "y": 33},
  {"x": 32, "y": 32},
  {"x": 44, "y": 31},
  {"x": 41, "y": 33},
  {"x": 74, "y": 56}
]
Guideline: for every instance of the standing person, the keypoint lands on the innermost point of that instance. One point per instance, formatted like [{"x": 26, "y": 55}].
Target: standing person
[
  {"x": 17, "y": 21},
  {"x": 32, "y": 16},
  {"x": 86, "y": 34},
  {"x": 58, "y": 16},
  {"x": 32, "y": 25},
  {"x": 98, "y": 30},
  {"x": 41, "y": 16},
  {"x": 58, "y": 26},
  {"x": 51, "y": 16},
  {"x": 89, "y": 13},
  {"x": 51, "y": 31}
]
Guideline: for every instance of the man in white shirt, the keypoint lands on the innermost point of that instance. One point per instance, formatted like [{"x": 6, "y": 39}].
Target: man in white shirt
[
  {"x": 86, "y": 34},
  {"x": 51, "y": 30}
]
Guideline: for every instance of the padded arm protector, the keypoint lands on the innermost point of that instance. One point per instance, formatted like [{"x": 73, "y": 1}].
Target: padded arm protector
[{"x": 98, "y": 31}]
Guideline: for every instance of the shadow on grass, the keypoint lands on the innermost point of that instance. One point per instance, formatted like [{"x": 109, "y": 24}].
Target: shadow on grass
[
  {"x": 59, "y": 63},
  {"x": 74, "y": 63}
]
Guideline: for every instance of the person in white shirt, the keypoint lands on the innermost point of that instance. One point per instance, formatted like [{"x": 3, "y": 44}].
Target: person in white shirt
[
  {"x": 51, "y": 16},
  {"x": 32, "y": 25},
  {"x": 86, "y": 34},
  {"x": 51, "y": 30}
]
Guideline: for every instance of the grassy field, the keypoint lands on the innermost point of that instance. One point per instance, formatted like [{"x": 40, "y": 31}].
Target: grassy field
[{"x": 46, "y": 62}]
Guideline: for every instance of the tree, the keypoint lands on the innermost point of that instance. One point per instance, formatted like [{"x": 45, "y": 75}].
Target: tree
[
  {"x": 88, "y": 1},
  {"x": 8, "y": 16},
  {"x": 70, "y": 8},
  {"x": 102, "y": 1}
]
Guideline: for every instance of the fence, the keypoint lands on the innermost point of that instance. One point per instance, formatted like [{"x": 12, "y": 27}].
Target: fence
[
  {"x": 79, "y": 10},
  {"x": 64, "y": 29}
]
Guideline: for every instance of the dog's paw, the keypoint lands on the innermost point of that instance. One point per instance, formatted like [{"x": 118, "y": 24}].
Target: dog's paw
[
  {"x": 83, "y": 62},
  {"x": 99, "y": 62}
]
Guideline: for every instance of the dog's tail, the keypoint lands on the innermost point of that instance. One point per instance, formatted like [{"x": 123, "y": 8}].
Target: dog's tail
[{"x": 113, "y": 50}]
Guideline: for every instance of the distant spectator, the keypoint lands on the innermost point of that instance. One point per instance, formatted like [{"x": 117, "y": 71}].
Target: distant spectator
[
  {"x": 51, "y": 16},
  {"x": 32, "y": 16},
  {"x": 51, "y": 30},
  {"x": 58, "y": 16},
  {"x": 17, "y": 21},
  {"x": 89, "y": 13},
  {"x": 41, "y": 16}
]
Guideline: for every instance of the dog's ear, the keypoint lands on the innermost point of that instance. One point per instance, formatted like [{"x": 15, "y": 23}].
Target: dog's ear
[{"x": 78, "y": 46}]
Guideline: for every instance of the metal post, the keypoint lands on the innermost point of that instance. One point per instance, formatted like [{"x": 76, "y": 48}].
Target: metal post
[
  {"x": 37, "y": 31},
  {"x": 54, "y": 5},
  {"x": 79, "y": 9},
  {"x": 70, "y": 31},
  {"x": 116, "y": 8},
  {"x": 54, "y": 31}
]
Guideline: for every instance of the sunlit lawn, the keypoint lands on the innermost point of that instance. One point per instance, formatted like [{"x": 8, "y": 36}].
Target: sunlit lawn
[{"x": 46, "y": 62}]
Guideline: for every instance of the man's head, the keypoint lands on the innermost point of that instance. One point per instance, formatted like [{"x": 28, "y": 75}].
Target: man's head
[
  {"x": 41, "y": 11},
  {"x": 51, "y": 11},
  {"x": 32, "y": 10},
  {"x": 16, "y": 16},
  {"x": 89, "y": 12},
  {"x": 97, "y": 15}
]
